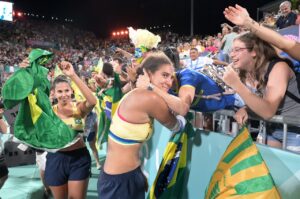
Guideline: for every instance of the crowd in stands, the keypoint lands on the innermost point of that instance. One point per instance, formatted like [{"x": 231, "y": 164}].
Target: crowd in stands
[{"x": 245, "y": 85}]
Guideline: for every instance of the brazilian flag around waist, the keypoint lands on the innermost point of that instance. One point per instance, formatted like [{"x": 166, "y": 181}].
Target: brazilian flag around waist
[
  {"x": 242, "y": 172},
  {"x": 36, "y": 124},
  {"x": 169, "y": 181}
]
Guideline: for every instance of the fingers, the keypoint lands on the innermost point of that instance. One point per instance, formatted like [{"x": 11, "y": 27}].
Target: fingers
[
  {"x": 64, "y": 65},
  {"x": 24, "y": 63},
  {"x": 242, "y": 119},
  {"x": 237, "y": 6}
]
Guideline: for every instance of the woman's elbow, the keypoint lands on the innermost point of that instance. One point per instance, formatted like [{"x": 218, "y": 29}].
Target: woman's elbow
[
  {"x": 184, "y": 110},
  {"x": 93, "y": 101},
  {"x": 268, "y": 115}
]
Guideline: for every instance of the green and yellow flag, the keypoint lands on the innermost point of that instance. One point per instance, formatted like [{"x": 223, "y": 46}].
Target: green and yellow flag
[
  {"x": 169, "y": 181},
  {"x": 36, "y": 124},
  {"x": 242, "y": 172},
  {"x": 109, "y": 101}
]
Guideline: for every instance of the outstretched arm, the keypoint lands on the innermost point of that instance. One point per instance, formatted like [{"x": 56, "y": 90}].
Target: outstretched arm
[{"x": 240, "y": 16}]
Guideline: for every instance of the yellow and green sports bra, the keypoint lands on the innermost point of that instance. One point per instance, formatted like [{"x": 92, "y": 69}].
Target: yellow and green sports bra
[
  {"x": 75, "y": 122},
  {"x": 126, "y": 133}
]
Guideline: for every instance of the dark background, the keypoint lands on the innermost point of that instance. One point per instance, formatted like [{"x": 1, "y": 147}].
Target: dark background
[{"x": 103, "y": 17}]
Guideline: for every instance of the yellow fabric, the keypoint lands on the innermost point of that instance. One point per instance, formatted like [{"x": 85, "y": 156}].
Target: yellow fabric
[
  {"x": 129, "y": 131},
  {"x": 239, "y": 176},
  {"x": 77, "y": 93},
  {"x": 75, "y": 122},
  {"x": 35, "y": 110}
]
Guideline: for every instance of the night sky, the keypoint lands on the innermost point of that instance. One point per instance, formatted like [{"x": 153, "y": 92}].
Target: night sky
[{"x": 103, "y": 17}]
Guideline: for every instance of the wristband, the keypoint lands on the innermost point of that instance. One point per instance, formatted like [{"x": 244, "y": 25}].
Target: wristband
[
  {"x": 180, "y": 124},
  {"x": 176, "y": 128}
]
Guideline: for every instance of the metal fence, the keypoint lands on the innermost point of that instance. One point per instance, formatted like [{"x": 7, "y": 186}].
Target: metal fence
[{"x": 223, "y": 122}]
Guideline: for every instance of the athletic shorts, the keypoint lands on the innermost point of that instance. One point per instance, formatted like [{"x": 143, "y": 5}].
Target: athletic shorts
[
  {"x": 64, "y": 166},
  {"x": 132, "y": 184}
]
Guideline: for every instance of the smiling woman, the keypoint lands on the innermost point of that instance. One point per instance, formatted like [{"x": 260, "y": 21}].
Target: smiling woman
[
  {"x": 131, "y": 126},
  {"x": 272, "y": 83},
  {"x": 68, "y": 170}
]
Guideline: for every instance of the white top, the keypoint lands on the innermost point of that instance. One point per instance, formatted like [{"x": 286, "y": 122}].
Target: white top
[{"x": 198, "y": 63}]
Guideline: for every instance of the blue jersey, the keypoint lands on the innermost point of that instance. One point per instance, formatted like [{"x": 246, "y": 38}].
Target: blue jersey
[{"x": 205, "y": 88}]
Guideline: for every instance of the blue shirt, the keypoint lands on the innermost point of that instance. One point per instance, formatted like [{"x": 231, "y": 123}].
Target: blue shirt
[{"x": 204, "y": 87}]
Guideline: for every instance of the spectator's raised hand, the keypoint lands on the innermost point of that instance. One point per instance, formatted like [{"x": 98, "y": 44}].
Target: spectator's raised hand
[
  {"x": 237, "y": 15},
  {"x": 67, "y": 68},
  {"x": 143, "y": 81},
  {"x": 131, "y": 73}
]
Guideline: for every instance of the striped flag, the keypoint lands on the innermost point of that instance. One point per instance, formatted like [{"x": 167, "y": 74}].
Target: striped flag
[
  {"x": 242, "y": 172},
  {"x": 171, "y": 174}
]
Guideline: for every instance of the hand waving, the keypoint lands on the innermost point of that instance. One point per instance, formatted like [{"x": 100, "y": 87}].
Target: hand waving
[{"x": 237, "y": 15}]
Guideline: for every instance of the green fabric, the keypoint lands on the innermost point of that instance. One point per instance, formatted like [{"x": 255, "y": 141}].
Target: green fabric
[
  {"x": 36, "y": 124},
  {"x": 255, "y": 185},
  {"x": 115, "y": 92},
  {"x": 238, "y": 150},
  {"x": 171, "y": 176},
  {"x": 241, "y": 172},
  {"x": 247, "y": 163}
]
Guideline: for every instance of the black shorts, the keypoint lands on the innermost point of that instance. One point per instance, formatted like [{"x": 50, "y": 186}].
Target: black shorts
[
  {"x": 130, "y": 185},
  {"x": 64, "y": 166}
]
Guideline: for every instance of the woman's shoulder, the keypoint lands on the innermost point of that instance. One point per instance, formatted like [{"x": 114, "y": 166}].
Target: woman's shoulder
[
  {"x": 140, "y": 95},
  {"x": 278, "y": 73},
  {"x": 278, "y": 66}
]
